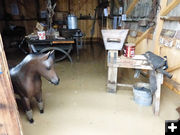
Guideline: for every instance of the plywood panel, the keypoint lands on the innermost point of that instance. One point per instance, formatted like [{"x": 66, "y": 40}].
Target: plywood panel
[
  {"x": 86, "y": 25},
  {"x": 62, "y": 5},
  {"x": 9, "y": 116},
  {"x": 85, "y": 7}
]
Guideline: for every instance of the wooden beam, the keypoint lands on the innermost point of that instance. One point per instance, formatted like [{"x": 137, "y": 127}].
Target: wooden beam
[
  {"x": 131, "y": 7},
  {"x": 37, "y": 9},
  {"x": 173, "y": 68},
  {"x": 170, "y": 18},
  {"x": 172, "y": 85},
  {"x": 149, "y": 36},
  {"x": 117, "y": 3},
  {"x": 9, "y": 116},
  {"x": 158, "y": 29},
  {"x": 144, "y": 35},
  {"x": 23, "y": 11},
  {"x": 171, "y": 6}
]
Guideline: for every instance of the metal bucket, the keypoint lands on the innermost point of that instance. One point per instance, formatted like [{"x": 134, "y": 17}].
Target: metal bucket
[
  {"x": 142, "y": 94},
  {"x": 72, "y": 21}
]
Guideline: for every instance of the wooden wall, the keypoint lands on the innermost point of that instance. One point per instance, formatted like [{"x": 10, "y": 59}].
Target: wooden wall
[
  {"x": 84, "y": 7},
  {"x": 172, "y": 53},
  {"x": 28, "y": 10}
]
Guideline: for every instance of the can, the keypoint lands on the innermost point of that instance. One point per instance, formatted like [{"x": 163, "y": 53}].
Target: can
[
  {"x": 72, "y": 21},
  {"x": 41, "y": 35},
  {"x": 129, "y": 50}
]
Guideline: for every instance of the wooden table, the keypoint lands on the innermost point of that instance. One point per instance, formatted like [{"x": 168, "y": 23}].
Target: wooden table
[{"x": 138, "y": 62}]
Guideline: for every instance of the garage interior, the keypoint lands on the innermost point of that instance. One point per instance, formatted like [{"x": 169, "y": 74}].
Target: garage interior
[{"x": 100, "y": 55}]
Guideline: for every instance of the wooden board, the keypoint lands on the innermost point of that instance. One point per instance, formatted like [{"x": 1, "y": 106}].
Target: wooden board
[
  {"x": 63, "y": 42},
  {"x": 9, "y": 116},
  {"x": 137, "y": 62},
  {"x": 144, "y": 35}
]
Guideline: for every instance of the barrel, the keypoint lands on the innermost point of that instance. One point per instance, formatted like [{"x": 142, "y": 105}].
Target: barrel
[
  {"x": 129, "y": 50},
  {"x": 72, "y": 21}
]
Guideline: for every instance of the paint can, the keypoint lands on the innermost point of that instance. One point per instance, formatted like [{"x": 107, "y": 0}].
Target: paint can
[
  {"x": 41, "y": 35},
  {"x": 129, "y": 50}
]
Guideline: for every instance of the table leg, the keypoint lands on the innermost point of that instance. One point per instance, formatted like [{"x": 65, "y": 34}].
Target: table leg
[
  {"x": 157, "y": 94},
  {"x": 112, "y": 79},
  {"x": 112, "y": 71}
]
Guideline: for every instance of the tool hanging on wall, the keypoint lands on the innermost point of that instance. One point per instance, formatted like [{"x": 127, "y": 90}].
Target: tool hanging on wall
[
  {"x": 100, "y": 6},
  {"x": 50, "y": 9}
]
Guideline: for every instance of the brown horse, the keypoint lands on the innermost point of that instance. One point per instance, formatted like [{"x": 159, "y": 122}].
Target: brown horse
[{"x": 26, "y": 79}]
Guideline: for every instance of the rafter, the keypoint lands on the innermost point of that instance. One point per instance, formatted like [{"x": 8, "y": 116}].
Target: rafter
[
  {"x": 131, "y": 7},
  {"x": 170, "y": 6}
]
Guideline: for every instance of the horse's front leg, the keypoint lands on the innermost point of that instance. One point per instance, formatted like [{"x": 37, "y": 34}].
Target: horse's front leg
[
  {"x": 29, "y": 114},
  {"x": 40, "y": 101}
]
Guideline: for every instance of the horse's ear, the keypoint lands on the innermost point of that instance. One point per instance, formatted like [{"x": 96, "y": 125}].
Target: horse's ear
[
  {"x": 52, "y": 54},
  {"x": 46, "y": 56}
]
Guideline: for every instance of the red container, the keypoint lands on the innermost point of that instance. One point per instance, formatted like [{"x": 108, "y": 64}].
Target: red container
[{"x": 129, "y": 50}]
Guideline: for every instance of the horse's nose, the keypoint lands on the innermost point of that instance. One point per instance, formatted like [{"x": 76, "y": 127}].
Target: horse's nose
[{"x": 57, "y": 82}]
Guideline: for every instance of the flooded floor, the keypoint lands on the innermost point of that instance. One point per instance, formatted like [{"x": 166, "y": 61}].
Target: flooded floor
[{"x": 80, "y": 105}]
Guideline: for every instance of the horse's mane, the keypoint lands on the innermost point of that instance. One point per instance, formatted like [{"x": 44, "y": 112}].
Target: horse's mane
[{"x": 27, "y": 59}]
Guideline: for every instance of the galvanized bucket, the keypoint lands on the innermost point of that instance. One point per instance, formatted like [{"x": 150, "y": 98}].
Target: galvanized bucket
[
  {"x": 142, "y": 94},
  {"x": 72, "y": 21}
]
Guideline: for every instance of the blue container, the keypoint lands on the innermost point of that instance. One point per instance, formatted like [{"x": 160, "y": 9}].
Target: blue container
[
  {"x": 142, "y": 94},
  {"x": 72, "y": 21}
]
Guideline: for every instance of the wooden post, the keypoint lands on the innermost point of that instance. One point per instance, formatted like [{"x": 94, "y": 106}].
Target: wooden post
[
  {"x": 23, "y": 11},
  {"x": 108, "y": 20},
  {"x": 9, "y": 116},
  {"x": 112, "y": 71},
  {"x": 158, "y": 29},
  {"x": 157, "y": 94},
  {"x": 159, "y": 23}
]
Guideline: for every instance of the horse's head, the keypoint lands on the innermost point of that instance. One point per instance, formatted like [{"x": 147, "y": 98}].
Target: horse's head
[{"x": 46, "y": 68}]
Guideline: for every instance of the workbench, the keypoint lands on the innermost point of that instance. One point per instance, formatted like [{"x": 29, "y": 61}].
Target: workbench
[{"x": 137, "y": 62}]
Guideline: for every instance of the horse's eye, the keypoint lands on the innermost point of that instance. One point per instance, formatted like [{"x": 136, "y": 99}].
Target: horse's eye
[{"x": 48, "y": 68}]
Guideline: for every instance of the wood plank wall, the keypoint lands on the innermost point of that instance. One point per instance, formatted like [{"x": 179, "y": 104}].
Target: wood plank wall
[
  {"x": 84, "y": 7},
  {"x": 172, "y": 53},
  {"x": 77, "y": 7}
]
